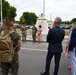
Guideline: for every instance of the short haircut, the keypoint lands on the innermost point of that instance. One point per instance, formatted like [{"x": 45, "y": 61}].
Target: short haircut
[
  {"x": 58, "y": 20},
  {"x": 9, "y": 21}
]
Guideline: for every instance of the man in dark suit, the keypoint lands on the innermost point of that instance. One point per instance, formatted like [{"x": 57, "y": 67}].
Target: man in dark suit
[{"x": 54, "y": 38}]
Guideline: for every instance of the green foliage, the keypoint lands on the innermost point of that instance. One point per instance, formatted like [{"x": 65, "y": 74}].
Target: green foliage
[
  {"x": 7, "y": 10},
  {"x": 66, "y": 22},
  {"x": 28, "y": 18},
  {"x": 12, "y": 12},
  {"x": 73, "y": 20},
  {"x": 69, "y": 22}
]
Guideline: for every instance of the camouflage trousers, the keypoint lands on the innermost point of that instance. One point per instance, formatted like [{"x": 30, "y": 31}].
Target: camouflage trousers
[
  {"x": 14, "y": 66},
  {"x": 34, "y": 37},
  {"x": 23, "y": 37}
]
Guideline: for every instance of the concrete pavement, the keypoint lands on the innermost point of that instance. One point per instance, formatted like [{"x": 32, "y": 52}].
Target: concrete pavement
[{"x": 32, "y": 57}]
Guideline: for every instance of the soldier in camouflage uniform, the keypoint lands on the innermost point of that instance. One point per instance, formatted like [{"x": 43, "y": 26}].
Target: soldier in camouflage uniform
[
  {"x": 34, "y": 31},
  {"x": 2, "y": 28},
  {"x": 14, "y": 64},
  {"x": 23, "y": 29}
]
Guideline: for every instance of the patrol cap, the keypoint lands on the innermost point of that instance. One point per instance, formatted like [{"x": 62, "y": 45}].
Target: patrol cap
[{"x": 58, "y": 20}]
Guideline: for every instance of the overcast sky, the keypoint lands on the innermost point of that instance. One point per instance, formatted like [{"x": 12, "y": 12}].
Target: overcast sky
[{"x": 66, "y": 9}]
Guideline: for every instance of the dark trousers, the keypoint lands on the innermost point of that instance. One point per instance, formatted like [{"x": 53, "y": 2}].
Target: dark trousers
[
  {"x": 23, "y": 37},
  {"x": 48, "y": 62}
]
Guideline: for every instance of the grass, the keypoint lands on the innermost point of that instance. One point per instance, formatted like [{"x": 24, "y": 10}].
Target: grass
[
  {"x": 29, "y": 31},
  {"x": 18, "y": 31},
  {"x": 67, "y": 32}
]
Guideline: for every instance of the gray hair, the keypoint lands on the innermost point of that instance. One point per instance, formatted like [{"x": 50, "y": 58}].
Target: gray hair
[{"x": 58, "y": 20}]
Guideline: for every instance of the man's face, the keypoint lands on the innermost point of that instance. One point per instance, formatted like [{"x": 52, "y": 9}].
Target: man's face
[
  {"x": 7, "y": 24},
  {"x": 24, "y": 25},
  {"x": 73, "y": 26}
]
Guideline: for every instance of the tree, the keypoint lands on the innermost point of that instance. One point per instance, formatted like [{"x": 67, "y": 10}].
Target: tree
[
  {"x": 7, "y": 10},
  {"x": 66, "y": 22},
  {"x": 73, "y": 20},
  {"x": 28, "y": 18},
  {"x": 12, "y": 12}
]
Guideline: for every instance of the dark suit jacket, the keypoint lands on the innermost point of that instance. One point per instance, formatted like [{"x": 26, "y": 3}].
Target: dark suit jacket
[
  {"x": 54, "y": 38},
  {"x": 72, "y": 42}
]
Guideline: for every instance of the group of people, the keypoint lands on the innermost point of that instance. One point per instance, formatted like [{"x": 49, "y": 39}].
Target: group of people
[
  {"x": 55, "y": 37},
  {"x": 36, "y": 33}
]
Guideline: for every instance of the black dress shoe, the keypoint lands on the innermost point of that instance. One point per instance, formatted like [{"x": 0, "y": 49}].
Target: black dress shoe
[{"x": 44, "y": 73}]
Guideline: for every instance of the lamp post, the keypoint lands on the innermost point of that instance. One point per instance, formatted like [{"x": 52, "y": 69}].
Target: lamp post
[{"x": 1, "y": 12}]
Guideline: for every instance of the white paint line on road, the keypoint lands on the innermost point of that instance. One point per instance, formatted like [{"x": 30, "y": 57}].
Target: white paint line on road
[{"x": 32, "y": 49}]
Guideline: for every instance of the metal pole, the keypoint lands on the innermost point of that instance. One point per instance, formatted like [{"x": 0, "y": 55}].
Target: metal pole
[{"x": 1, "y": 12}]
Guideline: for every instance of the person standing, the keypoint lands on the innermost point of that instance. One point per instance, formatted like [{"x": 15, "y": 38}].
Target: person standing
[
  {"x": 67, "y": 44},
  {"x": 54, "y": 38},
  {"x": 72, "y": 51},
  {"x": 23, "y": 29},
  {"x": 34, "y": 31},
  {"x": 14, "y": 64},
  {"x": 40, "y": 34}
]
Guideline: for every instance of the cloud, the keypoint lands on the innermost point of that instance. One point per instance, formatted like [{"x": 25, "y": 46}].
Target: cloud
[{"x": 66, "y": 9}]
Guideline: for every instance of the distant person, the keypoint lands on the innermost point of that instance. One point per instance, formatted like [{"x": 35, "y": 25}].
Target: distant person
[
  {"x": 39, "y": 33},
  {"x": 67, "y": 44},
  {"x": 72, "y": 51},
  {"x": 14, "y": 64},
  {"x": 23, "y": 29},
  {"x": 34, "y": 31},
  {"x": 54, "y": 38}
]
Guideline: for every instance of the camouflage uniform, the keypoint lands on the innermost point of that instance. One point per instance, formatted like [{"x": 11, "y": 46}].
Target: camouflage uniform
[
  {"x": 34, "y": 31},
  {"x": 14, "y": 65},
  {"x": 23, "y": 29},
  {"x": 1, "y": 29}
]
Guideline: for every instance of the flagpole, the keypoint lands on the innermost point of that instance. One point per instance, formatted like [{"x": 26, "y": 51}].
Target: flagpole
[{"x": 1, "y": 12}]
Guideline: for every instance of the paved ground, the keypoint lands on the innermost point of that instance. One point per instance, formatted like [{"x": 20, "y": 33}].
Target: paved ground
[{"x": 33, "y": 56}]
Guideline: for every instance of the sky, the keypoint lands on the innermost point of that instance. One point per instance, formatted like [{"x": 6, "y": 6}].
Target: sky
[{"x": 66, "y": 9}]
